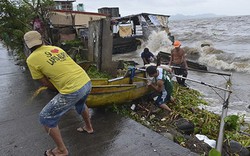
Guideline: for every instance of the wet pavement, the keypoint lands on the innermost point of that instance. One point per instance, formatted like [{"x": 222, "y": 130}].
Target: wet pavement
[{"x": 22, "y": 135}]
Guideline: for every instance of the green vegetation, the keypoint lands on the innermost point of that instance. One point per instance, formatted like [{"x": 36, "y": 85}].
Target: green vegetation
[
  {"x": 75, "y": 48},
  {"x": 94, "y": 73},
  {"x": 214, "y": 152},
  {"x": 16, "y": 18},
  {"x": 73, "y": 43},
  {"x": 186, "y": 106},
  {"x": 232, "y": 122}
]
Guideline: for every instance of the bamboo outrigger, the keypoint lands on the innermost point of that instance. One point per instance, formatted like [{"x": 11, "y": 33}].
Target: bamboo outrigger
[{"x": 228, "y": 92}]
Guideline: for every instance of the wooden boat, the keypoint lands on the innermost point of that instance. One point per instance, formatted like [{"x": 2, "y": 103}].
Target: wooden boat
[
  {"x": 118, "y": 90},
  {"x": 165, "y": 57}
]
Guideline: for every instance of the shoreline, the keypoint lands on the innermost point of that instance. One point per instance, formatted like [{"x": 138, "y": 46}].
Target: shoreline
[
  {"x": 239, "y": 99},
  {"x": 168, "y": 125}
]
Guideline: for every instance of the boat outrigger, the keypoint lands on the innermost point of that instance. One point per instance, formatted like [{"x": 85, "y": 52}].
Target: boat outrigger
[
  {"x": 225, "y": 105},
  {"x": 165, "y": 57}
]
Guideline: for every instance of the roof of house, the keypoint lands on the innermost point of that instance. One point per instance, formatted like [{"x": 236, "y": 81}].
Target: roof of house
[
  {"x": 79, "y": 12},
  {"x": 145, "y": 14}
]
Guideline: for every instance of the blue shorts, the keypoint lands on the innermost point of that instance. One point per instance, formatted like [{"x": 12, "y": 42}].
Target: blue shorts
[
  {"x": 163, "y": 99},
  {"x": 61, "y": 103}
]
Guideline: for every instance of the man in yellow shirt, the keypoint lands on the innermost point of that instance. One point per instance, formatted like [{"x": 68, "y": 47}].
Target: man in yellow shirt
[{"x": 53, "y": 67}]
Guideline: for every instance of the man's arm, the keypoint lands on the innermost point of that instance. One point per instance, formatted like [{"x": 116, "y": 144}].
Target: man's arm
[
  {"x": 166, "y": 68},
  {"x": 171, "y": 58},
  {"x": 184, "y": 59},
  {"x": 158, "y": 86},
  {"x": 45, "y": 82},
  {"x": 145, "y": 60},
  {"x": 152, "y": 55}
]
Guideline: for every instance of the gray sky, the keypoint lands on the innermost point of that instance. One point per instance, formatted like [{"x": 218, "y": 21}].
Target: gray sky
[{"x": 171, "y": 7}]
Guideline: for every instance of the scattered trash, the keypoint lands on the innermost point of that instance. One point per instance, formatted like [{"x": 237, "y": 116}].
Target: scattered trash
[
  {"x": 163, "y": 119},
  {"x": 210, "y": 142},
  {"x": 22, "y": 68},
  {"x": 133, "y": 107},
  {"x": 152, "y": 117},
  {"x": 147, "y": 123}
]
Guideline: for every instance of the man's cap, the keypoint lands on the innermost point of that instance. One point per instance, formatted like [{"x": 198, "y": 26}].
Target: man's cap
[
  {"x": 32, "y": 38},
  {"x": 177, "y": 44}
]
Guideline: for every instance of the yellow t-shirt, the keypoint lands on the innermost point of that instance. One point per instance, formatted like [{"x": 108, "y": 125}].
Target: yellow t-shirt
[{"x": 58, "y": 67}]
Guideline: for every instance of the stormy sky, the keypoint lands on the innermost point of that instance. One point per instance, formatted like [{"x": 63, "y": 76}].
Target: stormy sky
[{"x": 171, "y": 7}]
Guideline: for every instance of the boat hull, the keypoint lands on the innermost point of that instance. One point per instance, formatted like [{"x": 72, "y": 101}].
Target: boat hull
[
  {"x": 116, "y": 94},
  {"x": 117, "y": 91}
]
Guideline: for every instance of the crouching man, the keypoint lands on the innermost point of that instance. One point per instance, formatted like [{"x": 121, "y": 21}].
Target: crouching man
[{"x": 162, "y": 85}]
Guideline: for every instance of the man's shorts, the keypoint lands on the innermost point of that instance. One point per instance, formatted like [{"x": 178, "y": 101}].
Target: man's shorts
[
  {"x": 163, "y": 98},
  {"x": 180, "y": 71},
  {"x": 61, "y": 103}
]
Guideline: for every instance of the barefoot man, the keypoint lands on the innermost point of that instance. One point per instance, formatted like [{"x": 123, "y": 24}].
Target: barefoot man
[{"x": 178, "y": 59}]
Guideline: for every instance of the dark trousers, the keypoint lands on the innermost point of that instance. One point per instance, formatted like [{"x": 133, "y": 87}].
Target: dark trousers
[{"x": 182, "y": 71}]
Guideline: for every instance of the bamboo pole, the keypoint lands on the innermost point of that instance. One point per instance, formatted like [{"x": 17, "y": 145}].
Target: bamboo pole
[{"x": 203, "y": 83}]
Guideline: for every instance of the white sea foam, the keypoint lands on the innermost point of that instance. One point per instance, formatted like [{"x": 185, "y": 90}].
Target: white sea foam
[
  {"x": 157, "y": 41},
  {"x": 228, "y": 39},
  {"x": 209, "y": 56},
  {"x": 235, "y": 108}
]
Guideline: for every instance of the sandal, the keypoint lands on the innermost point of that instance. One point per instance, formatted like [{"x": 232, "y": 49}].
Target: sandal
[
  {"x": 83, "y": 129},
  {"x": 49, "y": 153}
]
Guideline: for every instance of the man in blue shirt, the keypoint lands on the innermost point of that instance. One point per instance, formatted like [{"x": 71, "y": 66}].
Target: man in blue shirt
[{"x": 147, "y": 56}]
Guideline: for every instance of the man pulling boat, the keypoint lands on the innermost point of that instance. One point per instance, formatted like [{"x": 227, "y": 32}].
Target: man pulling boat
[{"x": 178, "y": 59}]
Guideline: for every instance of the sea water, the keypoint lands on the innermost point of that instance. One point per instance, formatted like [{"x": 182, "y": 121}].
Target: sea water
[{"x": 228, "y": 52}]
